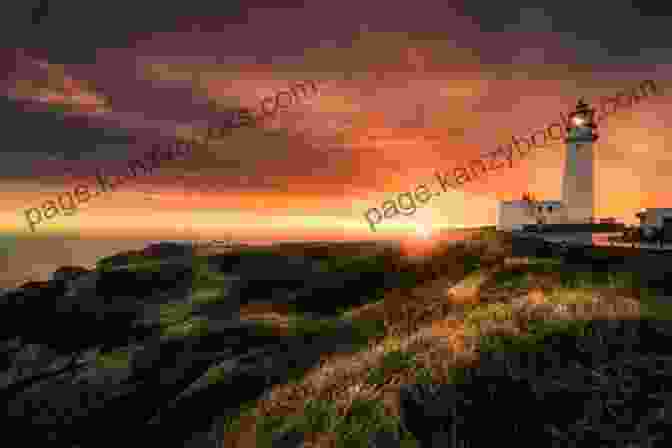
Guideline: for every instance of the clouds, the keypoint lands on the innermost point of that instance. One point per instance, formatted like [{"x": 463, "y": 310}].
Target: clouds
[
  {"x": 53, "y": 86},
  {"x": 416, "y": 91},
  {"x": 82, "y": 194}
]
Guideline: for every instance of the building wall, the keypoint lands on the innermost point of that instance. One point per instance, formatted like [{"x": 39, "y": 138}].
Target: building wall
[
  {"x": 512, "y": 216},
  {"x": 557, "y": 215}
]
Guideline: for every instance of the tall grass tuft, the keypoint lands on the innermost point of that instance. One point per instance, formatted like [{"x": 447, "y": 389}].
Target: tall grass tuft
[{"x": 364, "y": 418}]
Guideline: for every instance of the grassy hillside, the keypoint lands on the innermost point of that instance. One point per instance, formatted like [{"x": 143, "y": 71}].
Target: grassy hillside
[
  {"x": 466, "y": 300},
  {"x": 519, "y": 303}
]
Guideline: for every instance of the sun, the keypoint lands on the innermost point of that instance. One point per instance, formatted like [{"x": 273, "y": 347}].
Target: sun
[{"x": 423, "y": 232}]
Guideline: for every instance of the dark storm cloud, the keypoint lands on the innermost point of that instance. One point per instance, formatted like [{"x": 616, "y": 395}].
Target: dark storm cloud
[
  {"x": 109, "y": 25},
  {"x": 596, "y": 32},
  {"x": 43, "y": 133},
  {"x": 40, "y": 12},
  {"x": 118, "y": 24},
  {"x": 269, "y": 162},
  {"x": 280, "y": 158}
]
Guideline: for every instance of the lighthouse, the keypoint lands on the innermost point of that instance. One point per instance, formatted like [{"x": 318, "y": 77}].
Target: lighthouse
[
  {"x": 578, "y": 179},
  {"x": 573, "y": 217}
]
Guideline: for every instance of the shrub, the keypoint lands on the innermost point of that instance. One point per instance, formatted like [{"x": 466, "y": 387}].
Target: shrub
[
  {"x": 232, "y": 422},
  {"x": 424, "y": 375},
  {"x": 376, "y": 376},
  {"x": 393, "y": 361},
  {"x": 114, "y": 359},
  {"x": 364, "y": 418},
  {"x": 539, "y": 331},
  {"x": 320, "y": 416},
  {"x": 457, "y": 375},
  {"x": 267, "y": 425},
  {"x": 471, "y": 263},
  {"x": 398, "y": 360},
  {"x": 492, "y": 311},
  {"x": 515, "y": 278}
]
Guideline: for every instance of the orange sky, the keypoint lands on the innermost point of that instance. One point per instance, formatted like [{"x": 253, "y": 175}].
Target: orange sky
[{"x": 392, "y": 107}]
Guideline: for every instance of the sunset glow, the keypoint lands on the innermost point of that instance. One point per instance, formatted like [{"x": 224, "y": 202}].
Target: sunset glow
[
  {"x": 392, "y": 109},
  {"x": 424, "y": 232}
]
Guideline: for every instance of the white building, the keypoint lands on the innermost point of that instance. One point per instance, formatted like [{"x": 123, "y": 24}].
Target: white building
[
  {"x": 513, "y": 215},
  {"x": 652, "y": 219},
  {"x": 577, "y": 204}
]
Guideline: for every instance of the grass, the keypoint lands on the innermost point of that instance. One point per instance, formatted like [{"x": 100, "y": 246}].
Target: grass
[
  {"x": 301, "y": 325},
  {"x": 146, "y": 265},
  {"x": 358, "y": 263},
  {"x": 514, "y": 280},
  {"x": 191, "y": 327},
  {"x": 174, "y": 313},
  {"x": 535, "y": 339},
  {"x": 346, "y": 312},
  {"x": 207, "y": 295},
  {"x": 391, "y": 343},
  {"x": 305, "y": 326},
  {"x": 176, "y": 318},
  {"x": 216, "y": 374},
  {"x": 652, "y": 307},
  {"x": 424, "y": 375},
  {"x": 364, "y": 418},
  {"x": 575, "y": 288},
  {"x": 365, "y": 330},
  {"x": 116, "y": 359},
  {"x": 321, "y": 416},
  {"x": 135, "y": 263},
  {"x": 571, "y": 296},
  {"x": 544, "y": 261},
  {"x": 489, "y": 312},
  {"x": 471, "y": 263},
  {"x": 205, "y": 277},
  {"x": 369, "y": 266},
  {"x": 392, "y": 361},
  {"x": 232, "y": 422},
  {"x": 457, "y": 375},
  {"x": 475, "y": 278}
]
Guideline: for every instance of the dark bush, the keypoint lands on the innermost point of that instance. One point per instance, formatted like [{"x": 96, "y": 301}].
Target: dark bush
[{"x": 143, "y": 283}]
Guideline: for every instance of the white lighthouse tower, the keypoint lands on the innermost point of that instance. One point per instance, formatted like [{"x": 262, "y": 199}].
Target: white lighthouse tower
[{"x": 578, "y": 193}]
